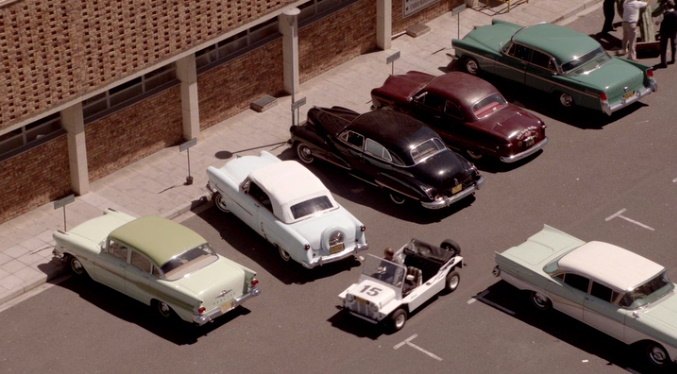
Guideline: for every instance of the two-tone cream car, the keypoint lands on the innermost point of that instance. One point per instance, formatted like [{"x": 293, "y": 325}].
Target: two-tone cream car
[
  {"x": 605, "y": 286},
  {"x": 157, "y": 262}
]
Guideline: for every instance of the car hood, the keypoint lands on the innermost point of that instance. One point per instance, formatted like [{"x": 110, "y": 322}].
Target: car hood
[
  {"x": 380, "y": 299},
  {"x": 443, "y": 170},
  {"x": 511, "y": 122},
  {"x": 661, "y": 319},
  {"x": 221, "y": 280},
  {"x": 611, "y": 77},
  {"x": 317, "y": 229}
]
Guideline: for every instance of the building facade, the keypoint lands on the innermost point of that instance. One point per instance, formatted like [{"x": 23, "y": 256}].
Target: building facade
[{"x": 90, "y": 86}]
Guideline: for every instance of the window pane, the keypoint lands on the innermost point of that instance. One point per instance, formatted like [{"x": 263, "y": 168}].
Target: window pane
[
  {"x": 576, "y": 281},
  {"x": 140, "y": 262},
  {"x": 602, "y": 292}
]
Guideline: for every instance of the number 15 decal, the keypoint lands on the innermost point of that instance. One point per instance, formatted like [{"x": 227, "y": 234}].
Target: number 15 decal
[{"x": 371, "y": 291}]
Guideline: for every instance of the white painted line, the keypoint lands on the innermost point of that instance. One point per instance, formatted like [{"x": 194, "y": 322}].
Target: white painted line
[
  {"x": 472, "y": 300},
  {"x": 409, "y": 343},
  {"x": 619, "y": 214},
  {"x": 674, "y": 180}
]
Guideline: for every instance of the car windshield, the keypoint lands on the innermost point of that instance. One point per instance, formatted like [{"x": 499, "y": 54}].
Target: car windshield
[
  {"x": 426, "y": 149},
  {"x": 312, "y": 206},
  {"x": 384, "y": 270},
  {"x": 587, "y": 62},
  {"x": 188, "y": 261},
  {"x": 489, "y": 105},
  {"x": 647, "y": 293}
]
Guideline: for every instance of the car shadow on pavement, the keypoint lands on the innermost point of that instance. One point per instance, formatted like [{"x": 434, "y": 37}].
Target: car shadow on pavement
[
  {"x": 548, "y": 106},
  {"x": 349, "y": 187},
  {"x": 508, "y": 299},
  {"x": 249, "y": 243},
  {"x": 125, "y": 308}
]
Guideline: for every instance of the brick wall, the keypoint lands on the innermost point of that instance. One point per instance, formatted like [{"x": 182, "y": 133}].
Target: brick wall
[
  {"x": 400, "y": 23},
  {"x": 133, "y": 133},
  {"x": 35, "y": 177},
  {"x": 57, "y": 50},
  {"x": 229, "y": 88}
]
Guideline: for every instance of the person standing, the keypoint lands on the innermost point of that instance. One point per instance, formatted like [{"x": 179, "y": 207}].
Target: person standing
[
  {"x": 631, "y": 10},
  {"x": 668, "y": 32},
  {"x": 609, "y": 14}
]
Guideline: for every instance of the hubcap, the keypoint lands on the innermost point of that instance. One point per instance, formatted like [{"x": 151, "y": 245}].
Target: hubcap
[
  {"x": 566, "y": 100},
  {"x": 453, "y": 282},
  {"x": 471, "y": 66}
]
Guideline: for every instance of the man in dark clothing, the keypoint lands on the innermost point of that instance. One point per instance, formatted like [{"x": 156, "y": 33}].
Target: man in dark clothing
[
  {"x": 609, "y": 14},
  {"x": 668, "y": 31}
]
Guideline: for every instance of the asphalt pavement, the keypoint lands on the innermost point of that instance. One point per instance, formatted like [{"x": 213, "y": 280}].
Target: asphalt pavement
[{"x": 157, "y": 185}]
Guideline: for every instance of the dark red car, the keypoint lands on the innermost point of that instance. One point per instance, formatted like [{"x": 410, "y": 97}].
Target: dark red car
[{"x": 469, "y": 113}]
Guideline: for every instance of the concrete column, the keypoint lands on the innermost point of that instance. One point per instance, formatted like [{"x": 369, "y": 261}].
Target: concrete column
[
  {"x": 288, "y": 25},
  {"x": 186, "y": 71},
  {"x": 384, "y": 23},
  {"x": 73, "y": 122}
]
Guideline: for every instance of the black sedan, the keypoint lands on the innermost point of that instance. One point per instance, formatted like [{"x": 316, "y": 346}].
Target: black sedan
[{"x": 389, "y": 150}]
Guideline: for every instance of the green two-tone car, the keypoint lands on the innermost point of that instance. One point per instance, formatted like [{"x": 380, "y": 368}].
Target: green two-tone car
[
  {"x": 616, "y": 291},
  {"x": 157, "y": 262},
  {"x": 569, "y": 65}
]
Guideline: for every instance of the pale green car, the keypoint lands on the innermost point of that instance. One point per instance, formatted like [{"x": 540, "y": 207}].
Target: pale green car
[
  {"x": 159, "y": 263},
  {"x": 568, "y": 65},
  {"x": 605, "y": 286}
]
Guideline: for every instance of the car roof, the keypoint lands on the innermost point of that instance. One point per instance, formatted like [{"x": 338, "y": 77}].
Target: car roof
[
  {"x": 288, "y": 181},
  {"x": 157, "y": 238},
  {"x": 465, "y": 88},
  {"x": 610, "y": 265},
  {"x": 396, "y": 131},
  {"x": 561, "y": 42}
]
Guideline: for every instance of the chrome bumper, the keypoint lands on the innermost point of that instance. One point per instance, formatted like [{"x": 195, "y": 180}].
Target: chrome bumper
[
  {"x": 443, "y": 203},
  {"x": 524, "y": 154},
  {"x": 323, "y": 259},
  {"x": 608, "y": 109},
  {"x": 218, "y": 312}
]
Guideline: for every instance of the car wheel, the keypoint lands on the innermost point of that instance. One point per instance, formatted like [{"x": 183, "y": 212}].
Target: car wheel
[
  {"x": 452, "y": 281},
  {"x": 398, "y": 319},
  {"x": 565, "y": 100},
  {"x": 475, "y": 156},
  {"x": 284, "y": 255},
  {"x": 471, "y": 66},
  {"x": 76, "y": 266},
  {"x": 397, "y": 198},
  {"x": 163, "y": 309},
  {"x": 304, "y": 153},
  {"x": 540, "y": 301},
  {"x": 656, "y": 355},
  {"x": 218, "y": 201},
  {"x": 451, "y": 246}
]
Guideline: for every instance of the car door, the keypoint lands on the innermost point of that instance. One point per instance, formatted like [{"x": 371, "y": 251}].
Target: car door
[
  {"x": 513, "y": 64},
  {"x": 600, "y": 311},
  {"x": 112, "y": 267},
  {"x": 540, "y": 71},
  {"x": 260, "y": 204},
  {"x": 351, "y": 146},
  {"x": 141, "y": 283},
  {"x": 569, "y": 298}
]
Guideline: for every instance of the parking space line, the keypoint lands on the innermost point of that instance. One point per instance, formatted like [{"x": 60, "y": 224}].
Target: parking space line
[
  {"x": 619, "y": 214},
  {"x": 408, "y": 342}
]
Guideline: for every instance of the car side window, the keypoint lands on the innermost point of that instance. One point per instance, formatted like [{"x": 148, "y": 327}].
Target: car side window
[
  {"x": 519, "y": 51},
  {"x": 602, "y": 292},
  {"x": 377, "y": 150},
  {"x": 353, "y": 138},
  {"x": 117, "y": 250},
  {"x": 259, "y": 195},
  {"x": 542, "y": 60},
  {"x": 577, "y": 281},
  {"x": 140, "y": 262},
  {"x": 435, "y": 102},
  {"x": 453, "y": 109}
]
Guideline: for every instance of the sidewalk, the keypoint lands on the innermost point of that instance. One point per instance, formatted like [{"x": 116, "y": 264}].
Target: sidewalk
[{"x": 155, "y": 185}]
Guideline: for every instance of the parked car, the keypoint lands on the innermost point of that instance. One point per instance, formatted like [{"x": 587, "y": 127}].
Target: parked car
[
  {"x": 605, "y": 286},
  {"x": 390, "y": 150},
  {"x": 158, "y": 262},
  {"x": 559, "y": 61},
  {"x": 469, "y": 113},
  {"x": 389, "y": 291},
  {"x": 289, "y": 206}
]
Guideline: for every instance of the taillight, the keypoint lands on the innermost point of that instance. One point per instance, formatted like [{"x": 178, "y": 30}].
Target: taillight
[
  {"x": 602, "y": 96},
  {"x": 363, "y": 228},
  {"x": 201, "y": 309},
  {"x": 649, "y": 73},
  {"x": 254, "y": 282},
  {"x": 306, "y": 247}
]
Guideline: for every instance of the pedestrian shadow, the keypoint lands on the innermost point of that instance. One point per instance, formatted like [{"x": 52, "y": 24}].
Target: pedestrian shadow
[{"x": 509, "y": 300}]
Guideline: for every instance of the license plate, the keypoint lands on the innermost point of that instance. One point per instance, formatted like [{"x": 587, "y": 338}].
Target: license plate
[
  {"x": 336, "y": 248},
  {"x": 226, "y": 306},
  {"x": 457, "y": 188},
  {"x": 629, "y": 95},
  {"x": 528, "y": 142}
]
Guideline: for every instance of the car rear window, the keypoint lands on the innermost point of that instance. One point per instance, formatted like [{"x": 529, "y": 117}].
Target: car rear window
[
  {"x": 489, "y": 105},
  {"x": 188, "y": 261},
  {"x": 312, "y": 206},
  {"x": 426, "y": 149},
  {"x": 599, "y": 56}
]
